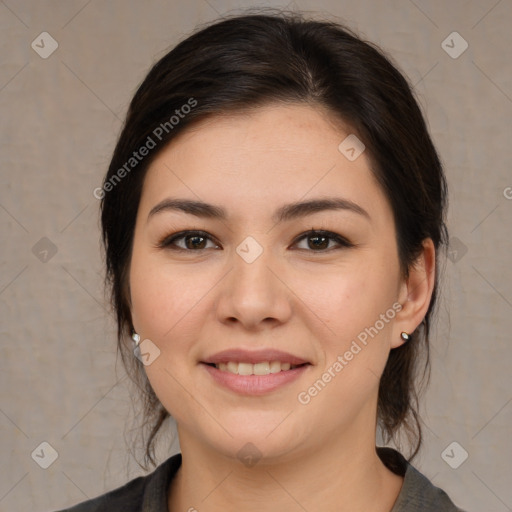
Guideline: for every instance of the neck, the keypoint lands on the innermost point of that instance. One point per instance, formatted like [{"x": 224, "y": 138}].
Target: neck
[{"x": 342, "y": 477}]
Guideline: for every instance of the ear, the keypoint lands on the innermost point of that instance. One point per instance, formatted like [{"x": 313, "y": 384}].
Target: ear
[{"x": 415, "y": 293}]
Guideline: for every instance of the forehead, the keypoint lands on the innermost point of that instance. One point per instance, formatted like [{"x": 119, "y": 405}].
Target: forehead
[
  {"x": 296, "y": 129},
  {"x": 269, "y": 156}
]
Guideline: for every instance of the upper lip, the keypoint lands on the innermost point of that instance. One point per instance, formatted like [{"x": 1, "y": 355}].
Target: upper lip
[{"x": 253, "y": 356}]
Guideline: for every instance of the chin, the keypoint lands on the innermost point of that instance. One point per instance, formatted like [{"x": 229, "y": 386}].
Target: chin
[{"x": 252, "y": 438}]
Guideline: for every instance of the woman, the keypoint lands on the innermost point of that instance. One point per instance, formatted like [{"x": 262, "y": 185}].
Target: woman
[{"x": 272, "y": 218}]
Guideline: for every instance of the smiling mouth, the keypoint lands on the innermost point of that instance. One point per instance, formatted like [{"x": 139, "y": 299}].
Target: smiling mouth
[{"x": 262, "y": 368}]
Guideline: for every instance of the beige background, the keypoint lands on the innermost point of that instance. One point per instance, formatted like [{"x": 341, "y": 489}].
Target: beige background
[{"x": 60, "y": 119}]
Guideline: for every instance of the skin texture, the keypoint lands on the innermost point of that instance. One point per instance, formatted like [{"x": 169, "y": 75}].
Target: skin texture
[{"x": 311, "y": 302}]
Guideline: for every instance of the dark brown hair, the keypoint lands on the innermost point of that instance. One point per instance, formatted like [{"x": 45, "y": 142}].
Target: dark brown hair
[{"x": 246, "y": 61}]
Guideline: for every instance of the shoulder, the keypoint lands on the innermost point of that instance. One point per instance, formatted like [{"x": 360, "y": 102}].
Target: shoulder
[
  {"x": 148, "y": 493},
  {"x": 418, "y": 493},
  {"x": 127, "y": 498}
]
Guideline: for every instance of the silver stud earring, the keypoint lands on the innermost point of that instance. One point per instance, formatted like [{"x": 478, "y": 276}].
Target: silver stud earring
[
  {"x": 405, "y": 336},
  {"x": 136, "y": 339}
]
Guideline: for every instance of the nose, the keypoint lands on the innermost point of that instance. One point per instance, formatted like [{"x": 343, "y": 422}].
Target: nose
[{"x": 253, "y": 294}]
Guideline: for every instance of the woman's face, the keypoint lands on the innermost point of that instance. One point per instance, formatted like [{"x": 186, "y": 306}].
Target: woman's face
[{"x": 256, "y": 281}]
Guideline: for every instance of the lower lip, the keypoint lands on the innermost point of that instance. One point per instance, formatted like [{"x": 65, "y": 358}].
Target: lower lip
[{"x": 254, "y": 384}]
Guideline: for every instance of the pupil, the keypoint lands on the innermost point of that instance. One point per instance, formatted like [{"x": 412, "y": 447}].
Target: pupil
[
  {"x": 317, "y": 238},
  {"x": 193, "y": 245}
]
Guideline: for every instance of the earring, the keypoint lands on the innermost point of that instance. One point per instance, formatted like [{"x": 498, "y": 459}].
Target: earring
[
  {"x": 136, "y": 339},
  {"x": 405, "y": 336}
]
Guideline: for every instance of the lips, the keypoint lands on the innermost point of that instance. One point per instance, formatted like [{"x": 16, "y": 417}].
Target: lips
[
  {"x": 245, "y": 372},
  {"x": 254, "y": 357},
  {"x": 254, "y": 385}
]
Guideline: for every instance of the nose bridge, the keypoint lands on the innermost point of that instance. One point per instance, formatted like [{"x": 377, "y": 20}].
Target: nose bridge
[
  {"x": 252, "y": 292},
  {"x": 251, "y": 274}
]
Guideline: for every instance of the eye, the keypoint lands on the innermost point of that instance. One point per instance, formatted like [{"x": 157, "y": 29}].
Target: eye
[
  {"x": 193, "y": 241},
  {"x": 197, "y": 240},
  {"x": 321, "y": 239}
]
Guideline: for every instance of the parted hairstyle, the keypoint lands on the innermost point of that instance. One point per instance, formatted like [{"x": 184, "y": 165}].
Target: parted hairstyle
[{"x": 249, "y": 60}]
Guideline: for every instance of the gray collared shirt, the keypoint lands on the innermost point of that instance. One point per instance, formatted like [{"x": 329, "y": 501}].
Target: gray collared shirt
[{"x": 149, "y": 493}]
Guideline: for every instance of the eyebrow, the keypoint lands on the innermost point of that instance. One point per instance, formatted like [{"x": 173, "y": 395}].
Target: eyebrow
[{"x": 284, "y": 213}]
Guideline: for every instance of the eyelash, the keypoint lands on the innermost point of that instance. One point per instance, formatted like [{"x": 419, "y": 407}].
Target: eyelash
[{"x": 168, "y": 241}]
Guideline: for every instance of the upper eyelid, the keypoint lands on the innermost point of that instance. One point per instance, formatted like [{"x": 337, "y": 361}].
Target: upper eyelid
[{"x": 168, "y": 240}]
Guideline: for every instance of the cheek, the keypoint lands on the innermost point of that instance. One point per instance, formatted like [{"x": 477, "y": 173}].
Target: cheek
[
  {"x": 356, "y": 315},
  {"x": 167, "y": 309},
  {"x": 168, "y": 301},
  {"x": 153, "y": 301},
  {"x": 355, "y": 347},
  {"x": 348, "y": 298}
]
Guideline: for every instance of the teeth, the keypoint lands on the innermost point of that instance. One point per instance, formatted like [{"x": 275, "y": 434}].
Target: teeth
[{"x": 263, "y": 368}]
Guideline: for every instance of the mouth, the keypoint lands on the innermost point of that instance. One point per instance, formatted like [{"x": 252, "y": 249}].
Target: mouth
[
  {"x": 254, "y": 372},
  {"x": 256, "y": 377},
  {"x": 260, "y": 368}
]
